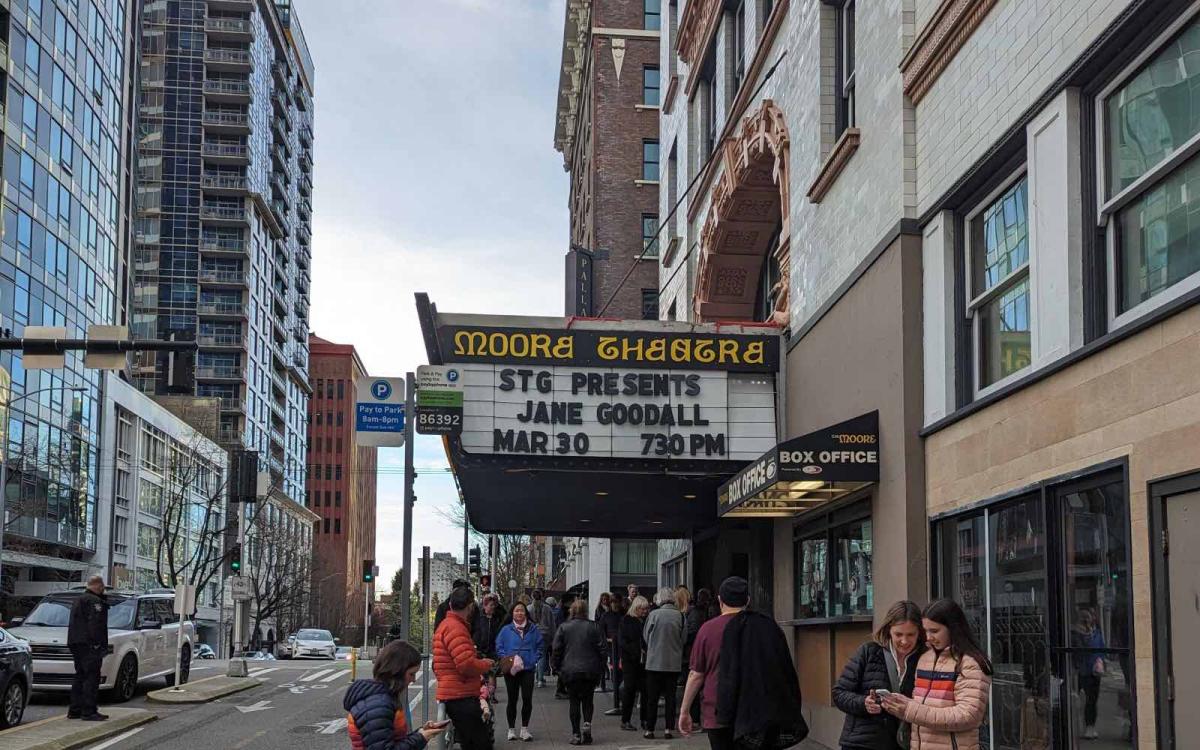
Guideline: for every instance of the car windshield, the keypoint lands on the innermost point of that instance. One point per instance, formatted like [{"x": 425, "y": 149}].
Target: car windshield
[
  {"x": 315, "y": 635},
  {"x": 55, "y": 612}
]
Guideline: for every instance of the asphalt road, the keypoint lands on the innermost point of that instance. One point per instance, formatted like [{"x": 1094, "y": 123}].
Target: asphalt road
[{"x": 299, "y": 707}]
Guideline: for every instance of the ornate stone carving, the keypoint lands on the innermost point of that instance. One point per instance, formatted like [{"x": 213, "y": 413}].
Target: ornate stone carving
[
  {"x": 699, "y": 18},
  {"x": 937, "y": 44}
]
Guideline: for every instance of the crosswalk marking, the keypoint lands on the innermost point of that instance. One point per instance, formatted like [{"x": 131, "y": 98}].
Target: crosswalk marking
[
  {"x": 315, "y": 675},
  {"x": 257, "y": 672},
  {"x": 336, "y": 675}
]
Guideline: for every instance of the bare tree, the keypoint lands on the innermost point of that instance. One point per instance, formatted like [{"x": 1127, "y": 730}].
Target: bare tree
[
  {"x": 280, "y": 569},
  {"x": 514, "y": 561}
]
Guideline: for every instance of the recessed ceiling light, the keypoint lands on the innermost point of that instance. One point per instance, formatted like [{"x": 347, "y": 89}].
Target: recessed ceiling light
[
  {"x": 601, "y": 493},
  {"x": 656, "y": 523},
  {"x": 585, "y": 520},
  {"x": 689, "y": 497}
]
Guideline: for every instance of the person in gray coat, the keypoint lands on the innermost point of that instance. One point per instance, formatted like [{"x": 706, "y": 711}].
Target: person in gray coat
[{"x": 664, "y": 636}]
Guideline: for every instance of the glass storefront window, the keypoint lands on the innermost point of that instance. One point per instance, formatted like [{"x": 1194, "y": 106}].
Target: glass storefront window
[
  {"x": 853, "y": 590},
  {"x": 812, "y": 594},
  {"x": 834, "y": 576}
]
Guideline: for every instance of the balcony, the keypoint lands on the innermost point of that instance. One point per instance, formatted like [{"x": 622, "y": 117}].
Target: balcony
[
  {"x": 279, "y": 156},
  {"x": 280, "y": 71},
  {"x": 300, "y": 359},
  {"x": 280, "y": 129},
  {"x": 229, "y": 435},
  {"x": 230, "y": 153},
  {"x": 233, "y": 404},
  {"x": 278, "y": 329},
  {"x": 278, "y": 410},
  {"x": 279, "y": 208},
  {"x": 302, "y": 257},
  {"x": 220, "y": 341},
  {"x": 305, "y": 185},
  {"x": 227, "y": 59},
  {"x": 279, "y": 182},
  {"x": 279, "y": 383},
  {"x": 223, "y": 183},
  {"x": 304, "y": 208},
  {"x": 221, "y": 309},
  {"x": 218, "y": 372},
  {"x": 222, "y": 277},
  {"x": 222, "y": 246},
  {"x": 242, "y": 6},
  {"x": 227, "y": 91},
  {"x": 306, "y": 135},
  {"x": 223, "y": 214},
  {"x": 229, "y": 28},
  {"x": 227, "y": 122}
]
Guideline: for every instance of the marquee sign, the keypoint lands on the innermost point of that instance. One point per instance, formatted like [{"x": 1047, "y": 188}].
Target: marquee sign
[{"x": 588, "y": 347}]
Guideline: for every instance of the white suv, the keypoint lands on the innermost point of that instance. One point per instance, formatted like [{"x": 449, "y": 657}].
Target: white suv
[{"x": 142, "y": 632}]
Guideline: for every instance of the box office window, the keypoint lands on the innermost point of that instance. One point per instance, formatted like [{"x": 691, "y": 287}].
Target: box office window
[
  {"x": 833, "y": 566},
  {"x": 1044, "y": 581}
]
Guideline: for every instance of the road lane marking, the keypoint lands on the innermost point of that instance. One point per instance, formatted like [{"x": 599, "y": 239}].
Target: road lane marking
[
  {"x": 333, "y": 726},
  {"x": 315, "y": 675},
  {"x": 118, "y": 738},
  {"x": 260, "y": 706},
  {"x": 336, "y": 675},
  {"x": 257, "y": 672}
]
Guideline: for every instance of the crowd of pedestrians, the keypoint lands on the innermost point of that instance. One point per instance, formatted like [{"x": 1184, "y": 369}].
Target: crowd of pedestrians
[{"x": 921, "y": 682}]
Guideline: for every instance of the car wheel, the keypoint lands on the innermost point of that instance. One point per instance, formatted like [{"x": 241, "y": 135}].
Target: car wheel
[
  {"x": 125, "y": 685},
  {"x": 185, "y": 667},
  {"x": 12, "y": 705}
]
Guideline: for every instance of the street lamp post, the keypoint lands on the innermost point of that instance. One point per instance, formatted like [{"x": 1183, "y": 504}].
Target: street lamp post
[{"x": 4, "y": 461}]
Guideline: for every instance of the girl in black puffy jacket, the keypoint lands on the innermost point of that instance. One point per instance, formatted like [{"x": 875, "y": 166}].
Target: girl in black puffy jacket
[{"x": 886, "y": 663}]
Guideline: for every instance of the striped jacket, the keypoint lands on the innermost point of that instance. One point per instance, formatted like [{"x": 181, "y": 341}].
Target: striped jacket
[{"x": 949, "y": 702}]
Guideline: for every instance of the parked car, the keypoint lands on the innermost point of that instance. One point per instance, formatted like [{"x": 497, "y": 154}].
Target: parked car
[
  {"x": 16, "y": 677},
  {"x": 311, "y": 642},
  {"x": 287, "y": 647},
  {"x": 205, "y": 651},
  {"x": 142, "y": 632}
]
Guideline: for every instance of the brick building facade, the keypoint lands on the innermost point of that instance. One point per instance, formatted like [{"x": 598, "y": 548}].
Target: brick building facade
[
  {"x": 607, "y": 131},
  {"x": 341, "y": 488}
]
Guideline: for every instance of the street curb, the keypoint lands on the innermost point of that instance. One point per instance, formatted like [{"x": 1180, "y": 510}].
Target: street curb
[
  {"x": 84, "y": 735},
  {"x": 206, "y": 693}
]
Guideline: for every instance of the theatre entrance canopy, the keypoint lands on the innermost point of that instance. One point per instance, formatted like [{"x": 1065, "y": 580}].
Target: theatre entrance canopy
[
  {"x": 587, "y": 427},
  {"x": 805, "y": 472}
]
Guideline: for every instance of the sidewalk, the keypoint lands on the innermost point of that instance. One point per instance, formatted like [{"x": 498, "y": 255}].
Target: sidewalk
[
  {"x": 61, "y": 733},
  {"x": 551, "y": 726}
]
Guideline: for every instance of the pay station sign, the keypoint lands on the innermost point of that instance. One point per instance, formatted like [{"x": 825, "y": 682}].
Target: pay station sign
[
  {"x": 439, "y": 400},
  {"x": 379, "y": 412}
]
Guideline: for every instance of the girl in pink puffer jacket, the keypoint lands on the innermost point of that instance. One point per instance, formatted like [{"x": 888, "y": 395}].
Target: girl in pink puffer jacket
[{"x": 950, "y": 697}]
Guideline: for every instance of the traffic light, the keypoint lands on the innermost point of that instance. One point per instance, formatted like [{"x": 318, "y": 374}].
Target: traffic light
[
  {"x": 368, "y": 571},
  {"x": 473, "y": 562},
  {"x": 485, "y": 581},
  {"x": 235, "y": 559}
]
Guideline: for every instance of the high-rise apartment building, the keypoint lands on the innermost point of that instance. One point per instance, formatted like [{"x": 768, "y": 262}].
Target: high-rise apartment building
[
  {"x": 66, "y": 78},
  {"x": 341, "y": 485},
  {"x": 224, "y": 217},
  {"x": 607, "y": 130},
  {"x": 444, "y": 570}
]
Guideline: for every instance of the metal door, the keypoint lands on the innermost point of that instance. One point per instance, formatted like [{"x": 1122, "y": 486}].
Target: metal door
[{"x": 1183, "y": 571}]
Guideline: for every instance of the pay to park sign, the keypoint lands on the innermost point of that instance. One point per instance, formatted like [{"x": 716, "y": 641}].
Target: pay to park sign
[
  {"x": 379, "y": 412},
  {"x": 439, "y": 400}
]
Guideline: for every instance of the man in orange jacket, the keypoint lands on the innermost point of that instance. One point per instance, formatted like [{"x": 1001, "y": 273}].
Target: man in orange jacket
[{"x": 460, "y": 673}]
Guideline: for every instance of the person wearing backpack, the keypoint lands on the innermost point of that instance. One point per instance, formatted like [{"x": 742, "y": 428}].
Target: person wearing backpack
[{"x": 950, "y": 694}]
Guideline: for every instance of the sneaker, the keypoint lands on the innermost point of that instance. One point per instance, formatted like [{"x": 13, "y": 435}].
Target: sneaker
[
  {"x": 512, "y": 734},
  {"x": 73, "y": 715},
  {"x": 648, "y": 735},
  {"x": 95, "y": 717},
  {"x": 613, "y": 712},
  {"x": 1090, "y": 733},
  {"x": 628, "y": 727},
  {"x": 525, "y": 735},
  {"x": 576, "y": 740},
  {"x": 587, "y": 734}
]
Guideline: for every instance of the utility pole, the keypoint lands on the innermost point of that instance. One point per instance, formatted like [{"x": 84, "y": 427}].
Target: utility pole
[
  {"x": 427, "y": 639},
  {"x": 410, "y": 386}
]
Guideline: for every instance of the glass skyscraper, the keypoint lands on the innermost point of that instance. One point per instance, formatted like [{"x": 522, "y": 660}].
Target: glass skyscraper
[
  {"x": 224, "y": 216},
  {"x": 66, "y": 122}
]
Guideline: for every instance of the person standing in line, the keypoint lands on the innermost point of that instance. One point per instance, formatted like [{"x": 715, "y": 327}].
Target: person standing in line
[
  {"x": 601, "y": 610},
  {"x": 888, "y": 662},
  {"x": 633, "y": 656},
  {"x": 757, "y": 693},
  {"x": 87, "y": 638},
  {"x": 460, "y": 672},
  {"x": 542, "y": 616},
  {"x": 950, "y": 693},
  {"x": 664, "y": 659},
  {"x": 378, "y": 716},
  {"x": 610, "y": 623},
  {"x": 696, "y": 615},
  {"x": 579, "y": 661},
  {"x": 484, "y": 631},
  {"x": 703, "y": 669},
  {"x": 560, "y": 688},
  {"x": 520, "y": 638},
  {"x": 631, "y": 592},
  {"x": 444, "y": 607}
]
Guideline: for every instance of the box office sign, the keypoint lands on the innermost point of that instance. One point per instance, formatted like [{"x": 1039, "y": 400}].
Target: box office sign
[
  {"x": 659, "y": 350},
  {"x": 844, "y": 454},
  {"x": 618, "y": 412}
]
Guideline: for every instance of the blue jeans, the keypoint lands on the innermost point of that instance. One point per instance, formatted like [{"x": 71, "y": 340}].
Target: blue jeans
[{"x": 541, "y": 667}]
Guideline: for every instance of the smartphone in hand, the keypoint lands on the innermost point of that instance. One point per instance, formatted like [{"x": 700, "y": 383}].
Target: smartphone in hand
[{"x": 881, "y": 694}]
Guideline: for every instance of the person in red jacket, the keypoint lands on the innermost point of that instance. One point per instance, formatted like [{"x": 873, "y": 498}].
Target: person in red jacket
[{"x": 460, "y": 672}]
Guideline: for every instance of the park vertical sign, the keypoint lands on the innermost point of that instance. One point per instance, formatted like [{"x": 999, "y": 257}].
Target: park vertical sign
[
  {"x": 439, "y": 400},
  {"x": 379, "y": 412}
]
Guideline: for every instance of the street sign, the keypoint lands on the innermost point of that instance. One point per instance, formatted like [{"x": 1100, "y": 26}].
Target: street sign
[
  {"x": 44, "y": 361},
  {"x": 379, "y": 414},
  {"x": 439, "y": 400},
  {"x": 185, "y": 599},
  {"x": 241, "y": 589}
]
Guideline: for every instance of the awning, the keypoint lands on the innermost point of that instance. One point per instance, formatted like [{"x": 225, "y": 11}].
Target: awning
[
  {"x": 29, "y": 559},
  {"x": 805, "y": 472}
]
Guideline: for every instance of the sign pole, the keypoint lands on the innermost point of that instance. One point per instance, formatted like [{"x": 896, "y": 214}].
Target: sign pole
[
  {"x": 426, "y": 637},
  {"x": 409, "y": 479},
  {"x": 366, "y": 613}
]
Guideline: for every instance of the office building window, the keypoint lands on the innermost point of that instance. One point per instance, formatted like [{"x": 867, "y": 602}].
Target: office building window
[
  {"x": 337, "y": 499},
  {"x": 844, "y": 116},
  {"x": 326, "y": 524},
  {"x": 739, "y": 48},
  {"x": 341, "y": 389},
  {"x": 650, "y": 235},
  {"x": 649, "y": 304},
  {"x": 650, "y": 86},
  {"x": 650, "y": 160},
  {"x": 326, "y": 498},
  {"x": 999, "y": 272},
  {"x": 1149, "y": 122},
  {"x": 634, "y": 557},
  {"x": 652, "y": 14}
]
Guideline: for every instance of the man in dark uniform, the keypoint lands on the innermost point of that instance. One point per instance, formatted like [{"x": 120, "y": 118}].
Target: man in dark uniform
[{"x": 87, "y": 636}]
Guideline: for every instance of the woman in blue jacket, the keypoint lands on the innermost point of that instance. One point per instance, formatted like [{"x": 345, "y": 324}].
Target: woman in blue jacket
[{"x": 520, "y": 638}]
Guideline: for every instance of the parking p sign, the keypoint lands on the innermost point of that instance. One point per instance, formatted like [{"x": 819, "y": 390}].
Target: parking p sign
[
  {"x": 379, "y": 412},
  {"x": 439, "y": 400}
]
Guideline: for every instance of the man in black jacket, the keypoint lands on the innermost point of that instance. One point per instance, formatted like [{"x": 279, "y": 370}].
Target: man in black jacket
[{"x": 87, "y": 637}]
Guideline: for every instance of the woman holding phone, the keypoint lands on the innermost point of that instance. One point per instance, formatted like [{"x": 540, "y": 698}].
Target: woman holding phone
[
  {"x": 950, "y": 695},
  {"x": 378, "y": 714},
  {"x": 888, "y": 664}
]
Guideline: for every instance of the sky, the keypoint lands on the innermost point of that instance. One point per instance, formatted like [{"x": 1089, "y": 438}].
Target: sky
[{"x": 435, "y": 171}]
